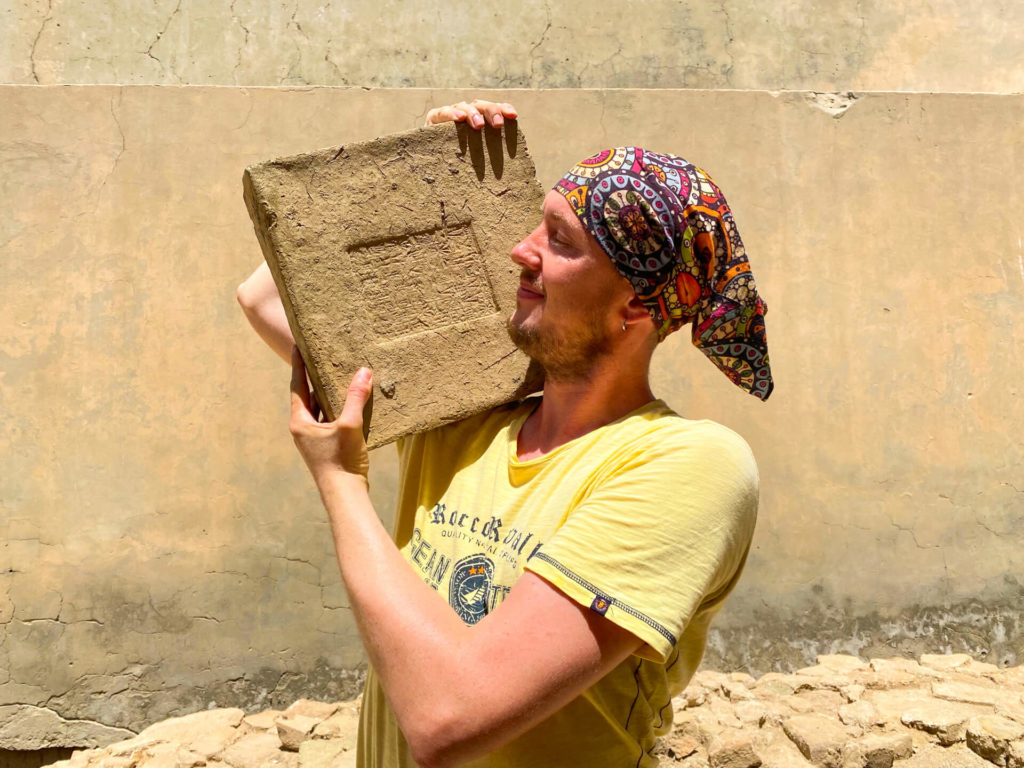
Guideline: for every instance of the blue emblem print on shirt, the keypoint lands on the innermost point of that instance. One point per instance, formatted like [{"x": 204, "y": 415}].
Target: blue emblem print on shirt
[{"x": 470, "y": 584}]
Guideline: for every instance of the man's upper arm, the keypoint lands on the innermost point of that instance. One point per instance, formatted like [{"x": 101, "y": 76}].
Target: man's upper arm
[
  {"x": 262, "y": 305},
  {"x": 666, "y": 532}
]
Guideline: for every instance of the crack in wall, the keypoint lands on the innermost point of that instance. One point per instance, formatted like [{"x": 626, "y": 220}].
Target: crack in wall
[
  {"x": 248, "y": 112},
  {"x": 159, "y": 36},
  {"x": 540, "y": 40},
  {"x": 245, "y": 42},
  {"x": 913, "y": 536},
  {"x": 39, "y": 34},
  {"x": 120, "y": 151},
  {"x": 730, "y": 39},
  {"x": 294, "y": 73},
  {"x": 607, "y": 60}
]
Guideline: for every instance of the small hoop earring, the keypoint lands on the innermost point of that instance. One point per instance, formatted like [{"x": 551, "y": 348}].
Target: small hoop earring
[{"x": 623, "y": 324}]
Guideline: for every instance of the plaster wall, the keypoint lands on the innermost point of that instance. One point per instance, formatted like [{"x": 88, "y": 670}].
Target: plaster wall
[
  {"x": 821, "y": 45},
  {"x": 162, "y": 548}
]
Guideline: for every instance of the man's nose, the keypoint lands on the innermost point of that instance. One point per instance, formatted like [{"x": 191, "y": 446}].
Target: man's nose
[{"x": 524, "y": 253}]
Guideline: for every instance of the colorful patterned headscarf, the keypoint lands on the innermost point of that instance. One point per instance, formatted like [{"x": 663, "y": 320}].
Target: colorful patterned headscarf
[{"x": 668, "y": 229}]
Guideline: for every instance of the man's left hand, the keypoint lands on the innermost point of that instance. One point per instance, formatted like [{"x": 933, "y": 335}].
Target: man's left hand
[
  {"x": 476, "y": 113},
  {"x": 332, "y": 448}
]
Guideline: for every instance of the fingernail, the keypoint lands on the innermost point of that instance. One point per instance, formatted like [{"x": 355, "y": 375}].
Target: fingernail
[
  {"x": 498, "y": 121},
  {"x": 478, "y": 121},
  {"x": 363, "y": 375}
]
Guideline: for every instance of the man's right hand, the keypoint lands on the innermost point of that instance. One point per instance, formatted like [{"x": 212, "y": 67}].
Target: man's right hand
[{"x": 476, "y": 113}]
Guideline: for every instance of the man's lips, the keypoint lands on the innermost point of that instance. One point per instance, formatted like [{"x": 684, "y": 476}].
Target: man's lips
[{"x": 528, "y": 292}]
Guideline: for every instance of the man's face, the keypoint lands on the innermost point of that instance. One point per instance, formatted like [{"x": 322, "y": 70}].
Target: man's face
[{"x": 570, "y": 299}]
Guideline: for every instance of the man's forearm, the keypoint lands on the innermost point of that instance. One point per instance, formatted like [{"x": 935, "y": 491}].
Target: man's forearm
[{"x": 411, "y": 634}]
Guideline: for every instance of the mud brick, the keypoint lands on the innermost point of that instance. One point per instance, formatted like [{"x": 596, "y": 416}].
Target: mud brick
[{"x": 394, "y": 253}]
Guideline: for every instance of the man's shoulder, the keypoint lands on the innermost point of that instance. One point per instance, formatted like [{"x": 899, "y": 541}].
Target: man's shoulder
[
  {"x": 677, "y": 448},
  {"x": 657, "y": 424}
]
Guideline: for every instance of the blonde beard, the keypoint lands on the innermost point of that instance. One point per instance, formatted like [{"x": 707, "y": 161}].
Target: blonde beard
[{"x": 563, "y": 356}]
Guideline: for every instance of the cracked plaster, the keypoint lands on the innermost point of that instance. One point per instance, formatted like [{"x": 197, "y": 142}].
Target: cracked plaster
[
  {"x": 922, "y": 45},
  {"x": 163, "y": 548}
]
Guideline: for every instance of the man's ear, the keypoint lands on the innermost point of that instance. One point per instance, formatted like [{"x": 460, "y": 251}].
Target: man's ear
[
  {"x": 636, "y": 311},
  {"x": 636, "y": 314}
]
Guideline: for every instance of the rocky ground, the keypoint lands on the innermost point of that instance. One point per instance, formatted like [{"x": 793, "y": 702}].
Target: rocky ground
[{"x": 939, "y": 712}]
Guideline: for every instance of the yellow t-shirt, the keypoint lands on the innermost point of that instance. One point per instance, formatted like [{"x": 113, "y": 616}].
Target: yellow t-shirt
[{"x": 646, "y": 520}]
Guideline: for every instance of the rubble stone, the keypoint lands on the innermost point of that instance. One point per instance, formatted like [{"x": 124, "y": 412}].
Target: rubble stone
[
  {"x": 323, "y": 753},
  {"x": 733, "y": 748},
  {"x": 1015, "y": 755},
  {"x": 991, "y": 735},
  {"x": 264, "y": 720},
  {"x": 318, "y": 710},
  {"x": 295, "y": 729},
  {"x": 254, "y": 749},
  {"x": 968, "y": 693},
  {"x": 900, "y": 666},
  {"x": 976, "y": 667},
  {"x": 188, "y": 727},
  {"x": 852, "y": 692},
  {"x": 694, "y": 695},
  {"x": 956, "y": 756},
  {"x": 944, "y": 662},
  {"x": 777, "y": 751},
  {"x": 1011, "y": 710},
  {"x": 860, "y": 713},
  {"x": 776, "y": 684},
  {"x": 680, "y": 747},
  {"x": 343, "y": 724},
  {"x": 893, "y": 704},
  {"x": 816, "y": 700},
  {"x": 877, "y": 750},
  {"x": 736, "y": 691},
  {"x": 753, "y": 712},
  {"x": 820, "y": 739},
  {"x": 947, "y": 723}
]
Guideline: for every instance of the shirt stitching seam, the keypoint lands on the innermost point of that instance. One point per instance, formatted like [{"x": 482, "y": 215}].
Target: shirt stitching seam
[{"x": 663, "y": 631}]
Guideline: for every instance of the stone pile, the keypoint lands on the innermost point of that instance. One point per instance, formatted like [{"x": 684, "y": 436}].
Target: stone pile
[
  {"x": 939, "y": 712},
  {"x": 309, "y": 734}
]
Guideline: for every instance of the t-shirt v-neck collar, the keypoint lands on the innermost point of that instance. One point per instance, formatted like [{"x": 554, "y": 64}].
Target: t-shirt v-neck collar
[{"x": 513, "y": 435}]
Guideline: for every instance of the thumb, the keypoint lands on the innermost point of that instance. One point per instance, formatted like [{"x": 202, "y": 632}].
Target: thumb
[{"x": 355, "y": 399}]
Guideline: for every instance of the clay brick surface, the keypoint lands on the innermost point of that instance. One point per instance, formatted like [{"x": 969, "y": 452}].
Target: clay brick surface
[{"x": 394, "y": 253}]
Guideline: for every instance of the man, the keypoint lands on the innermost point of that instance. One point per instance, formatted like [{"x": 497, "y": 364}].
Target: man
[{"x": 556, "y": 562}]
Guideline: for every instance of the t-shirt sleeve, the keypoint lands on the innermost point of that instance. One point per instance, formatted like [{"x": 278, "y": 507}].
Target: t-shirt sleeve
[{"x": 664, "y": 529}]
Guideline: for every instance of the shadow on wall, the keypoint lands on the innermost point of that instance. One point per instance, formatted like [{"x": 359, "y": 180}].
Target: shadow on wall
[{"x": 474, "y": 141}]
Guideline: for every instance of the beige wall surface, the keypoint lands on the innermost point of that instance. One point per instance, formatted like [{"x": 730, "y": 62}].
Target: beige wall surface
[
  {"x": 163, "y": 549},
  {"x": 915, "y": 45}
]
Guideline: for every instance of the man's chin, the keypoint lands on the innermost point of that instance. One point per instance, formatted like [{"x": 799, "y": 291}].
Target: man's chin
[{"x": 523, "y": 335}]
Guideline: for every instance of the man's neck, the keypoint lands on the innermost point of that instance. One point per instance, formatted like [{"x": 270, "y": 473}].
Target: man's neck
[{"x": 570, "y": 409}]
